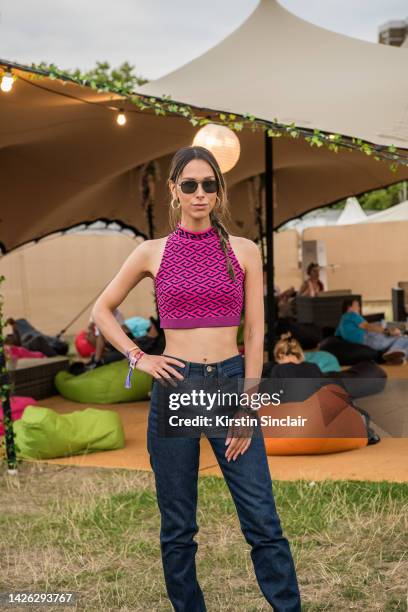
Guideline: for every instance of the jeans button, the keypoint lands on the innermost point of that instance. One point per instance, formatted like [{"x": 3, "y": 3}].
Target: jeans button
[{"x": 209, "y": 368}]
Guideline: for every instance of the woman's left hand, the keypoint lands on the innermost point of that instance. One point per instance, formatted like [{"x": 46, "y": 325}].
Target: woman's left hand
[{"x": 239, "y": 437}]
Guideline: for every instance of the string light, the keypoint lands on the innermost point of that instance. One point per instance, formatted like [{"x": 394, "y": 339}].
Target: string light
[
  {"x": 7, "y": 81},
  {"x": 121, "y": 118}
]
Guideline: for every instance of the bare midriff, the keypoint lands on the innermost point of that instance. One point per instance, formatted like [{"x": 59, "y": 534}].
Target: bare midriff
[{"x": 202, "y": 344}]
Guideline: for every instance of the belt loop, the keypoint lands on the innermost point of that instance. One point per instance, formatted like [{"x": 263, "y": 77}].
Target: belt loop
[{"x": 186, "y": 369}]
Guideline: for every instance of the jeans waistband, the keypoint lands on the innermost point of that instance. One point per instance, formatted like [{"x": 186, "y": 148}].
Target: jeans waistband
[{"x": 203, "y": 369}]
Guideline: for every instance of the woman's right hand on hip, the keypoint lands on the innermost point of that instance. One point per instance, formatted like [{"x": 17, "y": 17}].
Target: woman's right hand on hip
[{"x": 160, "y": 367}]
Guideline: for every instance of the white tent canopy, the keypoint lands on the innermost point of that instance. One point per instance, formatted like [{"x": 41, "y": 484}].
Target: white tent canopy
[
  {"x": 351, "y": 213},
  {"x": 276, "y": 65},
  {"x": 64, "y": 160}
]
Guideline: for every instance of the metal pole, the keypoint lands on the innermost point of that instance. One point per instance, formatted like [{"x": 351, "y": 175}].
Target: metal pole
[{"x": 270, "y": 318}]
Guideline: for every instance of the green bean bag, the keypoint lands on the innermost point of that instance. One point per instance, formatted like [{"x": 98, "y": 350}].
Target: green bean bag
[
  {"x": 325, "y": 360},
  {"x": 104, "y": 385},
  {"x": 42, "y": 433}
]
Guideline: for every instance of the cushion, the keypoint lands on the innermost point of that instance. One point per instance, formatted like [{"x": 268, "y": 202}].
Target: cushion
[
  {"x": 325, "y": 360},
  {"x": 20, "y": 352},
  {"x": 84, "y": 348},
  {"x": 104, "y": 385},
  {"x": 362, "y": 379},
  {"x": 17, "y": 404},
  {"x": 331, "y": 425},
  {"x": 349, "y": 353},
  {"x": 42, "y": 433}
]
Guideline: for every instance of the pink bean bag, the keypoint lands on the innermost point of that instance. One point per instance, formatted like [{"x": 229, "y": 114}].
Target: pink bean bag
[
  {"x": 84, "y": 348},
  {"x": 19, "y": 352},
  {"x": 18, "y": 405}
]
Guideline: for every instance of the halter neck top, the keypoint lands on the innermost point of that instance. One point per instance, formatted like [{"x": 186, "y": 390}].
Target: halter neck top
[{"x": 193, "y": 287}]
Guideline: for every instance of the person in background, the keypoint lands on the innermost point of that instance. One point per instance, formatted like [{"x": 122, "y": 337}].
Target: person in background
[
  {"x": 105, "y": 352},
  {"x": 312, "y": 286},
  {"x": 26, "y": 336},
  {"x": 290, "y": 363},
  {"x": 353, "y": 327}
]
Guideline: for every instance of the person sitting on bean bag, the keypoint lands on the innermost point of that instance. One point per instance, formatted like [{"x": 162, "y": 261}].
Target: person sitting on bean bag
[
  {"x": 104, "y": 352},
  {"x": 291, "y": 364},
  {"x": 353, "y": 327}
]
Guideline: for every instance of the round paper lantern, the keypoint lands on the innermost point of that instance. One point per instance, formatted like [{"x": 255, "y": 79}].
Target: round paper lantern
[{"x": 222, "y": 142}]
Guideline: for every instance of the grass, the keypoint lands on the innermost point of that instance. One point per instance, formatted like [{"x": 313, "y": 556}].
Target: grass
[{"x": 96, "y": 532}]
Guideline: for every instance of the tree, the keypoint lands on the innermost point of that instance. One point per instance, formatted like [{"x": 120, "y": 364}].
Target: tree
[
  {"x": 380, "y": 199},
  {"x": 102, "y": 76}
]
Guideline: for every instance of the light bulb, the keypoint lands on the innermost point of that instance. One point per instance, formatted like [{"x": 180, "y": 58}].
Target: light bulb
[
  {"x": 7, "y": 82},
  {"x": 121, "y": 118}
]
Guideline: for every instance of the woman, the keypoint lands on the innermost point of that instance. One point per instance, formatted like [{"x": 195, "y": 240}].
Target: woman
[
  {"x": 291, "y": 364},
  {"x": 288, "y": 351},
  {"x": 309, "y": 378},
  {"x": 312, "y": 286},
  {"x": 203, "y": 279}
]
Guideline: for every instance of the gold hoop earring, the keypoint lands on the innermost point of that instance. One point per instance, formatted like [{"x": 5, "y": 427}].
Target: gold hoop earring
[{"x": 172, "y": 204}]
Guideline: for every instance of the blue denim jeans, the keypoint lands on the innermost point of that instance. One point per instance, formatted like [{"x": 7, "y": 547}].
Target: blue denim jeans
[
  {"x": 175, "y": 463},
  {"x": 381, "y": 342}
]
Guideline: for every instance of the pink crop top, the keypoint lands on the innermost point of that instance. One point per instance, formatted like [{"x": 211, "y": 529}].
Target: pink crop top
[{"x": 193, "y": 287}]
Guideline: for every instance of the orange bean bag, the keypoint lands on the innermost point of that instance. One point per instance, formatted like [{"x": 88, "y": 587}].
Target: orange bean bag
[{"x": 323, "y": 423}]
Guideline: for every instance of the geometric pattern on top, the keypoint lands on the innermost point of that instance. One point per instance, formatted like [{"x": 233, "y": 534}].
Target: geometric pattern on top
[{"x": 193, "y": 287}]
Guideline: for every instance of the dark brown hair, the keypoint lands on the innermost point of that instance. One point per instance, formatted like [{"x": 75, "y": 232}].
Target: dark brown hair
[
  {"x": 347, "y": 303},
  {"x": 311, "y": 266},
  {"x": 220, "y": 211}
]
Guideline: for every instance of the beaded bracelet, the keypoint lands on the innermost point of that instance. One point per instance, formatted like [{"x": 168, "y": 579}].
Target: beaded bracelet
[{"x": 132, "y": 364}]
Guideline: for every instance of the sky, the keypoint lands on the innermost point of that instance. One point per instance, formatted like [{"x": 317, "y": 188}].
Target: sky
[{"x": 158, "y": 36}]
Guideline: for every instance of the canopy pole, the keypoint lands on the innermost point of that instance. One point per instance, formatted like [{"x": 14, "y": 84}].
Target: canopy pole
[{"x": 270, "y": 301}]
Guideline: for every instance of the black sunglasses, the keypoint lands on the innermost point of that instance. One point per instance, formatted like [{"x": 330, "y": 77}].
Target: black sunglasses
[{"x": 191, "y": 185}]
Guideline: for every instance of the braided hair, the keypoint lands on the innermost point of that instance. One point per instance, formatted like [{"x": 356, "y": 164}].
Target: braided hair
[{"x": 220, "y": 212}]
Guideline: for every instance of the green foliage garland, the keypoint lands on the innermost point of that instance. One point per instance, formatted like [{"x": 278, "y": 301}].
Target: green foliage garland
[{"x": 123, "y": 82}]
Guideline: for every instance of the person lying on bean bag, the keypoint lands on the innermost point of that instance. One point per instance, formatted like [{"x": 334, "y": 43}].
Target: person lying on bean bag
[{"x": 27, "y": 336}]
